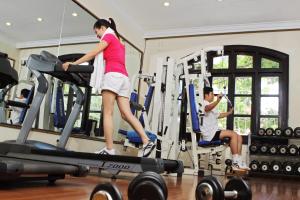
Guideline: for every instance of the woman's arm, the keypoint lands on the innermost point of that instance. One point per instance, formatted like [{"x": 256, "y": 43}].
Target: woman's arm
[{"x": 89, "y": 56}]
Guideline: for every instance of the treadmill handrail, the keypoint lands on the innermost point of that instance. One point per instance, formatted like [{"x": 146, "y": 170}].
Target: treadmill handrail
[{"x": 81, "y": 68}]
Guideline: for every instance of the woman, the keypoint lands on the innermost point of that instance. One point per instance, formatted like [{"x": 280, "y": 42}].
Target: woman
[{"x": 115, "y": 85}]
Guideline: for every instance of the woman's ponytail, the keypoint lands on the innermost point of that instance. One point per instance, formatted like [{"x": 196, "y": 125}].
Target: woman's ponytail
[{"x": 114, "y": 27}]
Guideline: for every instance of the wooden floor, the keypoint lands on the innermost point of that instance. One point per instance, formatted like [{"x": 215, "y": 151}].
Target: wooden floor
[{"x": 80, "y": 189}]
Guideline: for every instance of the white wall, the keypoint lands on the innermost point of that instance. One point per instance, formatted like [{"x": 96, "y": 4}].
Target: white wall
[
  {"x": 10, "y": 50},
  {"x": 284, "y": 41},
  {"x": 125, "y": 25}
]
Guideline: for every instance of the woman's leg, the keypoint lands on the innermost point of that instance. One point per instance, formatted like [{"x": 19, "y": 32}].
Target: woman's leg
[
  {"x": 124, "y": 107},
  {"x": 108, "y": 100}
]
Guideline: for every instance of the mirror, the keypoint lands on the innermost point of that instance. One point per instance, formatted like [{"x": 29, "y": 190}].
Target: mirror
[{"x": 60, "y": 27}]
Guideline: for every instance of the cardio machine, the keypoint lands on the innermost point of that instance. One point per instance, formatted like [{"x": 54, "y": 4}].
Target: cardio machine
[
  {"x": 12, "y": 169},
  {"x": 46, "y": 63},
  {"x": 9, "y": 78}
]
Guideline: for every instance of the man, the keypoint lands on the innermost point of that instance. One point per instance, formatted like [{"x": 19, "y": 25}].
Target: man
[
  {"x": 212, "y": 132},
  {"x": 16, "y": 111}
]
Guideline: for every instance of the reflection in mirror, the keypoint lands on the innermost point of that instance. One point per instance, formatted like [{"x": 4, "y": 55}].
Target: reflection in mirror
[
  {"x": 29, "y": 35},
  {"x": 22, "y": 26}
]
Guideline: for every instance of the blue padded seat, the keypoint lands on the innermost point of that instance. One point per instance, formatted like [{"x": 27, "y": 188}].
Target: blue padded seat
[
  {"x": 134, "y": 137},
  {"x": 204, "y": 143}
]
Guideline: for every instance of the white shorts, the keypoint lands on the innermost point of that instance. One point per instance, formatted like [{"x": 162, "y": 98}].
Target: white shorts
[{"x": 117, "y": 83}]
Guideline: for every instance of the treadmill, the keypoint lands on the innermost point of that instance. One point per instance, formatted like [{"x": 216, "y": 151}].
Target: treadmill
[
  {"x": 16, "y": 169},
  {"x": 46, "y": 63},
  {"x": 9, "y": 78}
]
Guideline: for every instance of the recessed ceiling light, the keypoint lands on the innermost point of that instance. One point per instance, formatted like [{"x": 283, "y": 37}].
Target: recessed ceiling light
[
  {"x": 219, "y": 0},
  {"x": 74, "y": 14},
  {"x": 39, "y": 19},
  {"x": 166, "y": 4},
  {"x": 8, "y": 24}
]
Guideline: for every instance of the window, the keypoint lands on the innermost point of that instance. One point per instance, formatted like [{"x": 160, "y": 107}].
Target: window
[
  {"x": 255, "y": 80},
  {"x": 269, "y": 64},
  {"x": 243, "y": 103},
  {"x": 220, "y": 85},
  {"x": 269, "y": 101},
  {"x": 95, "y": 106},
  {"x": 244, "y": 62},
  {"x": 220, "y": 62}
]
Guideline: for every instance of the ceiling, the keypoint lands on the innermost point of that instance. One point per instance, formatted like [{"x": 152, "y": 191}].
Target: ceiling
[
  {"x": 25, "y": 27},
  {"x": 182, "y": 17}
]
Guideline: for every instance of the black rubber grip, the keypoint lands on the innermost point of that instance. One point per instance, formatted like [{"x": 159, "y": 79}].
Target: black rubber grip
[{"x": 81, "y": 68}]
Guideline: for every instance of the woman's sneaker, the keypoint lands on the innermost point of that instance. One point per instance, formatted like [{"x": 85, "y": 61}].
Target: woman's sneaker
[
  {"x": 105, "y": 151},
  {"x": 148, "y": 148}
]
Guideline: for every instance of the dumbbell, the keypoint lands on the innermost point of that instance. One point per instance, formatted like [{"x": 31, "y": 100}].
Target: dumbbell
[
  {"x": 297, "y": 132},
  {"x": 254, "y": 166},
  {"x": 276, "y": 166},
  {"x": 210, "y": 188},
  {"x": 288, "y": 167},
  {"x": 283, "y": 149},
  {"x": 297, "y": 168},
  {"x": 261, "y": 132},
  {"x": 106, "y": 191},
  {"x": 270, "y": 131},
  {"x": 273, "y": 149},
  {"x": 264, "y": 148},
  {"x": 254, "y": 147},
  {"x": 148, "y": 186},
  {"x": 288, "y": 132},
  {"x": 293, "y": 150},
  {"x": 265, "y": 166},
  {"x": 278, "y": 132}
]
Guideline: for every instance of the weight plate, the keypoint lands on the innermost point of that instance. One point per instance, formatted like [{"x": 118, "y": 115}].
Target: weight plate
[
  {"x": 278, "y": 132},
  {"x": 106, "y": 191},
  {"x": 155, "y": 186},
  {"x": 297, "y": 132},
  {"x": 293, "y": 149},
  {"x": 254, "y": 166},
  {"x": 273, "y": 150},
  {"x": 261, "y": 132},
  {"x": 269, "y": 131},
  {"x": 288, "y": 132},
  {"x": 209, "y": 188}
]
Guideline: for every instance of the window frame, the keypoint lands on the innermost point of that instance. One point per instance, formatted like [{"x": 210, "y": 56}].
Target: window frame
[{"x": 256, "y": 73}]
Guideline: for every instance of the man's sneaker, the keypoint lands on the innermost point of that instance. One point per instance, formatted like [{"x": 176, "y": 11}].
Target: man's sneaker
[
  {"x": 148, "y": 148},
  {"x": 237, "y": 167},
  {"x": 244, "y": 166},
  {"x": 105, "y": 151}
]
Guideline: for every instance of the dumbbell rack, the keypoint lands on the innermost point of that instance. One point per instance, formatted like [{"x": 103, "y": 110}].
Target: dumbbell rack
[{"x": 275, "y": 141}]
